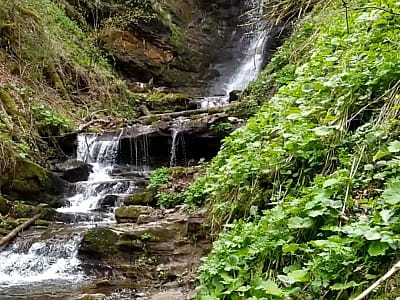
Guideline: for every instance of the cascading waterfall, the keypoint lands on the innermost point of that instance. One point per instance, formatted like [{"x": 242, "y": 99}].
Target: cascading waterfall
[
  {"x": 43, "y": 260},
  {"x": 247, "y": 64},
  {"x": 52, "y": 256},
  {"x": 101, "y": 154},
  {"x": 178, "y": 140}
]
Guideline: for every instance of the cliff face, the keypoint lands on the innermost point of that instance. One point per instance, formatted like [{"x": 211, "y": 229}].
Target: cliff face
[
  {"x": 173, "y": 42},
  {"x": 65, "y": 63}
]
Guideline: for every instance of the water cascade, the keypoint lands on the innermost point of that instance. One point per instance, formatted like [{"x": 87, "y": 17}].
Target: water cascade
[
  {"x": 47, "y": 259},
  {"x": 247, "y": 44}
]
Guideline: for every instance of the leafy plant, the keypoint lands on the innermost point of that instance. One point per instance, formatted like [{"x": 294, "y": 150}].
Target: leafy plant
[
  {"x": 159, "y": 177},
  {"x": 305, "y": 196},
  {"x": 169, "y": 199}
]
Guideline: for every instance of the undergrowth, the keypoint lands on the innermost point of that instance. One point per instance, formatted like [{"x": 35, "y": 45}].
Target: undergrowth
[{"x": 309, "y": 189}]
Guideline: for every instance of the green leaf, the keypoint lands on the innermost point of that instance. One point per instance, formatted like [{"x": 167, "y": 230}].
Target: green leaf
[
  {"x": 299, "y": 275},
  {"x": 386, "y": 214},
  {"x": 368, "y": 167},
  {"x": 290, "y": 248},
  {"x": 243, "y": 288},
  {"x": 297, "y": 222},
  {"x": 394, "y": 147},
  {"x": 330, "y": 182},
  {"x": 380, "y": 155},
  {"x": 343, "y": 286},
  {"x": 269, "y": 287},
  {"x": 372, "y": 235},
  {"x": 377, "y": 248},
  {"x": 391, "y": 195},
  {"x": 323, "y": 131}
]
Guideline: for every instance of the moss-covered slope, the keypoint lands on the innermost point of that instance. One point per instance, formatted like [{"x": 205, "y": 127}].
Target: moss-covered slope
[{"x": 311, "y": 184}]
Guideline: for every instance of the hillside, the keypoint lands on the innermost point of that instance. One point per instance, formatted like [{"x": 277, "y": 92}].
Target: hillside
[{"x": 306, "y": 194}]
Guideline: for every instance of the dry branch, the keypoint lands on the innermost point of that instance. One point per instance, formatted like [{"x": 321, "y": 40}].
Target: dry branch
[
  {"x": 9, "y": 237},
  {"x": 392, "y": 271}
]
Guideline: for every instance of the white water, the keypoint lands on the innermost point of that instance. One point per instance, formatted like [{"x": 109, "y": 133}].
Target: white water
[
  {"x": 178, "y": 140},
  {"x": 238, "y": 73},
  {"x": 39, "y": 258},
  {"x": 49, "y": 260}
]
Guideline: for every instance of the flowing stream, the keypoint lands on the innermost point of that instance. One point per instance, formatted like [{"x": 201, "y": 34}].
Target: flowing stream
[{"x": 44, "y": 263}]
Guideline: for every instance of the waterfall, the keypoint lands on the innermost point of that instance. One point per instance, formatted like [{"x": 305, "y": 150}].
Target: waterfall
[
  {"x": 249, "y": 42},
  {"x": 178, "y": 140},
  {"x": 54, "y": 258}
]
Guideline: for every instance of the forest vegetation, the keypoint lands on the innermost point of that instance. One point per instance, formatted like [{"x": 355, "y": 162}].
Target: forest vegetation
[{"x": 303, "y": 200}]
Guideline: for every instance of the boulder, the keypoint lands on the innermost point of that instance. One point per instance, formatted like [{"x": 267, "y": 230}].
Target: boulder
[
  {"x": 30, "y": 179},
  {"x": 98, "y": 242},
  {"x": 74, "y": 170},
  {"x": 131, "y": 213},
  {"x": 234, "y": 95},
  {"x": 21, "y": 210},
  {"x": 5, "y": 206},
  {"x": 142, "y": 198},
  {"x": 108, "y": 201}
]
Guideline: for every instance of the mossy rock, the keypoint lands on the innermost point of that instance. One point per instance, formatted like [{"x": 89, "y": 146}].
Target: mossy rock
[
  {"x": 130, "y": 214},
  {"x": 99, "y": 242},
  {"x": 143, "y": 198},
  {"x": 30, "y": 179},
  {"x": 21, "y": 210},
  {"x": 163, "y": 101}
]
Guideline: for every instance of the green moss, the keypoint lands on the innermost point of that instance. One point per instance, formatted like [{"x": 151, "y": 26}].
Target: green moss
[
  {"x": 131, "y": 213},
  {"x": 162, "y": 101},
  {"x": 142, "y": 198},
  {"x": 99, "y": 242},
  {"x": 21, "y": 210}
]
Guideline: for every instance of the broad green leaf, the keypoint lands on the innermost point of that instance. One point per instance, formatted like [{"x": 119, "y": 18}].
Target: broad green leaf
[
  {"x": 372, "y": 235},
  {"x": 330, "y": 182},
  {"x": 323, "y": 131},
  {"x": 307, "y": 87},
  {"x": 386, "y": 214},
  {"x": 286, "y": 279},
  {"x": 299, "y": 275},
  {"x": 343, "y": 286},
  {"x": 297, "y": 222},
  {"x": 391, "y": 195},
  {"x": 243, "y": 288},
  {"x": 394, "y": 147},
  {"x": 290, "y": 248},
  {"x": 269, "y": 287},
  {"x": 377, "y": 248},
  {"x": 381, "y": 154},
  {"x": 368, "y": 167}
]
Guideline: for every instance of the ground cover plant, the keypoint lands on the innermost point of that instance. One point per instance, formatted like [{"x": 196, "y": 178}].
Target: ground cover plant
[{"x": 306, "y": 196}]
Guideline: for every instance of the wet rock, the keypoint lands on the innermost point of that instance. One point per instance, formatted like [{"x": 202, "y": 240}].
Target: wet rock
[
  {"x": 234, "y": 95},
  {"x": 34, "y": 183},
  {"x": 21, "y": 210},
  {"x": 108, "y": 201},
  {"x": 90, "y": 297},
  {"x": 98, "y": 242},
  {"x": 143, "y": 198},
  {"x": 74, "y": 170},
  {"x": 5, "y": 206},
  {"x": 170, "y": 295},
  {"x": 130, "y": 214}
]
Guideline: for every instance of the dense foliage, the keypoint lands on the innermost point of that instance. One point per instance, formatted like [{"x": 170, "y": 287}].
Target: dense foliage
[{"x": 310, "y": 187}]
